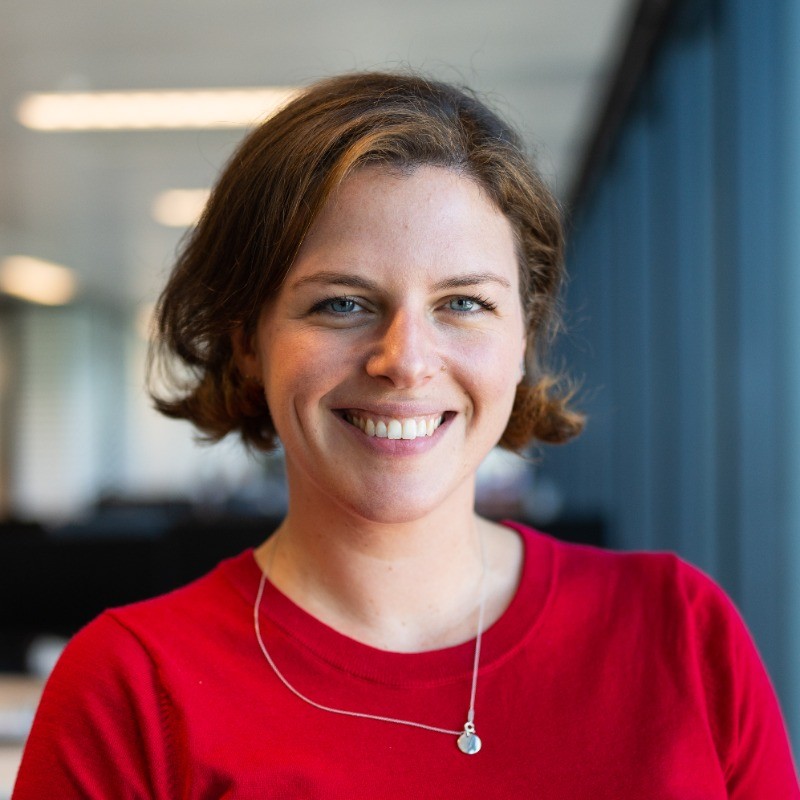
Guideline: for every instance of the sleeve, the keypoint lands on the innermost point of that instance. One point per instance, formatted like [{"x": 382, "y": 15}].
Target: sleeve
[
  {"x": 743, "y": 710},
  {"x": 103, "y": 725}
]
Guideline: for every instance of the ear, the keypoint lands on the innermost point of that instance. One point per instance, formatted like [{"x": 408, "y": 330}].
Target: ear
[
  {"x": 244, "y": 355},
  {"x": 522, "y": 352}
]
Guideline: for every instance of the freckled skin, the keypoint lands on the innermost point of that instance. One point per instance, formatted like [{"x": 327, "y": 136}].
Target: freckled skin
[{"x": 398, "y": 240}]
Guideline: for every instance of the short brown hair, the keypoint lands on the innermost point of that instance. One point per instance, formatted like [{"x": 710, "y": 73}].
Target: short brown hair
[{"x": 267, "y": 199}]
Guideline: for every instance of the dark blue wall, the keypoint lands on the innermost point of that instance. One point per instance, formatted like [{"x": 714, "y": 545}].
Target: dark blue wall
[{"x": 684, "y": 311}]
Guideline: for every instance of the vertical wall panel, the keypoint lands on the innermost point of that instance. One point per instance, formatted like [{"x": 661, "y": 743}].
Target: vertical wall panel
[
  {"x": 582, "y": 469},
  {"x": 725, "y": 109},
  {"x": 665, "y": 221},
  {"x": 629, "y": 378},
  {"x": 697, "y": 347},
  {"x": 693, "y": 143},
  {"x": 758, "y": 369},
  {"x": 787, "y": 312}
]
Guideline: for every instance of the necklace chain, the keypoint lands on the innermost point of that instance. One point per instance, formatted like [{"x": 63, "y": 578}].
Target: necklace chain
[{"x": 468, "y": 741}]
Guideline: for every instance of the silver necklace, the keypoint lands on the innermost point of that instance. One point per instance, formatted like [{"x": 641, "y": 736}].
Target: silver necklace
[{"x": 468, "y": 741}]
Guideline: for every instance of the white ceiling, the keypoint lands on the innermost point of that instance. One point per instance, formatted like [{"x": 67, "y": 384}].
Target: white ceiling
[{"x": 83, "y": 199}]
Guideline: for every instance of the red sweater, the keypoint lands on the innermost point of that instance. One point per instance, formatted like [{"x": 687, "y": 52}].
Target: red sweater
[{"x": 610, "y": 676}]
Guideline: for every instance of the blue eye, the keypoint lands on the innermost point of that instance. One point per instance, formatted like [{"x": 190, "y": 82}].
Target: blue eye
[
  {"x": 337, "y": 306},
  {"x": 470, "y": 304},
  {"x": 462, "y": 304},
  {"x": 342, "y": 305}
]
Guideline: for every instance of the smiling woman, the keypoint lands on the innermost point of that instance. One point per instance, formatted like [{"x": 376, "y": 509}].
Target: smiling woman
[
  {"x": 276, "y": 186},
  {"x": 374, "y": 283},
  {"x": 430, "y": 332}
]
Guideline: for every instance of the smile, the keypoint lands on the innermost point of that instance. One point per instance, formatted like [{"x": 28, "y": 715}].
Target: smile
[{"x": 405, "y": 428}]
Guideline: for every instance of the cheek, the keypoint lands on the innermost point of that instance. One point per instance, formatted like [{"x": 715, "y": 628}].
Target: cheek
[
  {"x": 490, "y": 374},
  {"x": 283, "y": 374},
  {"x": 299, "y": 370}
]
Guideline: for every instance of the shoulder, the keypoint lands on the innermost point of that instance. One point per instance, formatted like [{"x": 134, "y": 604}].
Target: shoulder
[
  {"x": 205, "y": 603},
  {"x": 109, "y": 712},
  {"x": 655, "y": 600},
  {"x": 103, "y": 720},
  {"x": 603, "y": 575},
  {"x": 674, "y": 621},
  {"x": 134, "y": 645}
]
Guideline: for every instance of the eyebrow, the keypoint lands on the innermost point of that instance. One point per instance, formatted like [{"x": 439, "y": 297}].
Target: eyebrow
[{"x": 357, "y": 282}]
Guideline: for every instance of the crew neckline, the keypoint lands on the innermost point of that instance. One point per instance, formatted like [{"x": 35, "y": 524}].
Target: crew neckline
[{"x": 519, "y": 621}]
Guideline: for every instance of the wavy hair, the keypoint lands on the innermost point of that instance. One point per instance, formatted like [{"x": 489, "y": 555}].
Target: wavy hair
[{"x": 265, "y": 202}]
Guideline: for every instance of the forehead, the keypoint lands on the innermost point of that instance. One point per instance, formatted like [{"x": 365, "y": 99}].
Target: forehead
[{"x": 427, "y": 218}]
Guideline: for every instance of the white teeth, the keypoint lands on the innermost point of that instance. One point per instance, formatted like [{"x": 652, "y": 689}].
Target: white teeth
[
  {"x": 395, "y": 429},
  {"x": 408, "y": 429}
]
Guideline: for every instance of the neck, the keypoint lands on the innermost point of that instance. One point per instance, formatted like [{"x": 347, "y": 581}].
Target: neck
[{"x": 406, "y": 586}]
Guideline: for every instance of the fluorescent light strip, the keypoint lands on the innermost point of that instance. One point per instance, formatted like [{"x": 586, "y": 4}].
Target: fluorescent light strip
[
  {"x": 179, "y": 208},
  {"x": 37, "y": 281},
  {"x": 151, "y": 110}
]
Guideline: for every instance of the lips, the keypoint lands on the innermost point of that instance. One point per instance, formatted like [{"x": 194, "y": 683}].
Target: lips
[{"x": 394, "y": 427}]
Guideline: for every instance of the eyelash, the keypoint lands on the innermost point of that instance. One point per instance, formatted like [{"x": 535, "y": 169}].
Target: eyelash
[
  {"x": 324, "y": 306},
  {"x": 484, "y": 302}
]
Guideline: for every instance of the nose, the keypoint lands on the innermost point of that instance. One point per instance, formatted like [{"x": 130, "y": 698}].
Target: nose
[{"x": 405, "y": 353}]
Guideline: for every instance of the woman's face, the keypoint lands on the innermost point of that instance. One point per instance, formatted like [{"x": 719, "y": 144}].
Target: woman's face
[{"x": 391, "y": 354}]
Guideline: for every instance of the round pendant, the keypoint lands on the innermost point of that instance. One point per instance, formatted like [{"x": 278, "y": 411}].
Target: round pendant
[{"x": 469, "y": 742}]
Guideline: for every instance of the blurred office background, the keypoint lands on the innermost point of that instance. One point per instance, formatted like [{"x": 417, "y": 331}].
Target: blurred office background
[{"x": 669, "y": 129}]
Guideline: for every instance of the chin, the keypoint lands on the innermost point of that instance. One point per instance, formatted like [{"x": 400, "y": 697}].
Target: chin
[
  {"x": 392, "y": 513},
  {"x": 397, "y": 508}
]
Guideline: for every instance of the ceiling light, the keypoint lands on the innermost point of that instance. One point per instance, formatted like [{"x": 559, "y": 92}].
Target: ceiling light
[
  {"x": 37, "y": 281},
  {"x": 151, "y": 110},
  {"x": 179, "y": 208}
]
